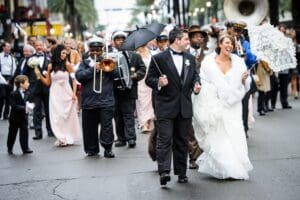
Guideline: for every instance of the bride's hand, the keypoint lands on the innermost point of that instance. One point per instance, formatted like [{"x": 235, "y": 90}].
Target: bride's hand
[{"x": 244, "y": 77}]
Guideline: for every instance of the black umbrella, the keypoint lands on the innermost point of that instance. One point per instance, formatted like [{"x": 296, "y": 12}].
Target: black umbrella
[
  {"x": 138, "y": 38},
  {"x": 155, "y": 27}
]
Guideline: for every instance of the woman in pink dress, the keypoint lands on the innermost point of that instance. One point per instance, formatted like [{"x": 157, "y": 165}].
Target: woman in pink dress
[
  {"x": 144, "y": 107},
  {"x": 62, "y": 98}
]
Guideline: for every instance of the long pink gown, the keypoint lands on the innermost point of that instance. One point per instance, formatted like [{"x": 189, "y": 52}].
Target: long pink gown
[
  {"x": 144, "y": 102},
  {"x": 63, "y": 110}
]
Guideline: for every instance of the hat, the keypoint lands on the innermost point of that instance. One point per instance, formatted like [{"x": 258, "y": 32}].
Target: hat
[
  {"x": 162, "y": 37},
  {"x": 118, "y": 34},
  {"x": 96, "y": 42},
  {"x": 196, "y": 29},
  {"x": 239, "y": 25}
]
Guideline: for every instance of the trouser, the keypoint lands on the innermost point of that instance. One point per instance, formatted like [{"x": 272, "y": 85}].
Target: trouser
[
  {"x": 261, "y": 101},
  {"x": 4, "y": 101},
  {"x": 91, "y": 119},
  {"x": 172, "y": 138},
  {"x": 124, "y": 117},
  {"x": 194, "y": 149},
  {"x": 284, "y": 80},
  {"x": 12, "y": 134},
  {"x": 41, "y": 102}
]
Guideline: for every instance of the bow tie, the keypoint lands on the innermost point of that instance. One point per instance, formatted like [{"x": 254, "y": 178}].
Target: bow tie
[
  {"x": 39, "y": 55},
  {"x": 176, "y": 53},
  {"x": 6, "y": 55}
]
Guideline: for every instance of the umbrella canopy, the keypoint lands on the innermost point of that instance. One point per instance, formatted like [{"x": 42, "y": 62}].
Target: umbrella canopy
[
  {"x": 143, "y": 35},
  {"x": 270, "y": 45},
  {"x": 138, "y": 38},
  {"x": 155, "y": 27}
]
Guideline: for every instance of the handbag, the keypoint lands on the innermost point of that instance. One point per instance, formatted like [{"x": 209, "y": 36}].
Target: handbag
[{"x": 256, "y": 77}]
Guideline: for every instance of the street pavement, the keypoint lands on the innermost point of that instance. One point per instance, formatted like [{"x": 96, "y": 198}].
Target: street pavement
[{"x": 55, "y": 173}]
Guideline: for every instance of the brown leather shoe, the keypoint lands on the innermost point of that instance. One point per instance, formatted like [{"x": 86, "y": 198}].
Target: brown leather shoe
[{"x": 193, "y": 165}]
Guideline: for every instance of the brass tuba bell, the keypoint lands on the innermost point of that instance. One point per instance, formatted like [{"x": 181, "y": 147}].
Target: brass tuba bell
[{"x": 251, "y": 11}]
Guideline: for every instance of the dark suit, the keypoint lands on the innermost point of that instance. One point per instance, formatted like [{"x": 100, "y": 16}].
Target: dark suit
[
  {"x": 126, "y": 100},
  {"x": 97, "y": 109},
  {"x": 173, "y": 109},
  {"x": 17, "y": 120},
  {"x": 39, "y": 94}
]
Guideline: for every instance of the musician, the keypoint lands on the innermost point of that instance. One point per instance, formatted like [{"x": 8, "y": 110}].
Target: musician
[
  {"x": 39, "y": 93},
  {"x": 126, "y": 97},
  {"x": 243, "y": 50},
  {"x": 97, "y": 109},
  {"x": 7, "y": 70}
]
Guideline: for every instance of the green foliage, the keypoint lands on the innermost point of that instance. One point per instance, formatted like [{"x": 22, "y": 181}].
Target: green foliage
[
  {"x": 84, "y": 9},
  {"x": 144, "y": 2}
]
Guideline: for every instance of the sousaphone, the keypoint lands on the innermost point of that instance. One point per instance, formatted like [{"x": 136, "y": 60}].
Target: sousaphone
[{"x": 253, "y": 12}]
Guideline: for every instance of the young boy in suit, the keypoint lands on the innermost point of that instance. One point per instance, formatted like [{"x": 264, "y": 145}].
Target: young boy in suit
[{"x": 18, "y": 116}]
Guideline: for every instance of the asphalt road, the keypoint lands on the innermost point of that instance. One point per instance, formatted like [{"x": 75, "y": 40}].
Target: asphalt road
[{"x": 66, "y": 173}]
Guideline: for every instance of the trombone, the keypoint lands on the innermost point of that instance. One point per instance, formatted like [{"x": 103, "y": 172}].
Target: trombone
[{"x": 107, "y": 64}]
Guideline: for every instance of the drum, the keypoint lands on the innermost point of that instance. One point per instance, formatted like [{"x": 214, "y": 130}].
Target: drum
[{"x": 123, "y": 80}]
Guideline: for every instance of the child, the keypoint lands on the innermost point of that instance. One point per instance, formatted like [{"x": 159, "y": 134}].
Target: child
[{"x": 18, "y": 116}]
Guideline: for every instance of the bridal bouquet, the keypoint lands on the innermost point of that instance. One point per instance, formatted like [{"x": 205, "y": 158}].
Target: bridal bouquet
[{"x": 34, "y": 62}]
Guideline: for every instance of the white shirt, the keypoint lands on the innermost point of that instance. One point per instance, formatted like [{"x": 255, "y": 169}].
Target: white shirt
[
  {"x": 8, "y": 65},
  {"x": 178, "y": 61},
  {"x": 41, "y": 59}
]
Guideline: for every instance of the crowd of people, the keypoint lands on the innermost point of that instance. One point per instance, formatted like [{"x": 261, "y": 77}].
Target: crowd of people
[{"x": 191, "y": 89}]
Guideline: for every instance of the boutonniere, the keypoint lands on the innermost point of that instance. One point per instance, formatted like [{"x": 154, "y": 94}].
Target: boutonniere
[{"x": 187, "y": 63}]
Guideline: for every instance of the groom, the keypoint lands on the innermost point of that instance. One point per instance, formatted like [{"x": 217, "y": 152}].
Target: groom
[{"x": 173, "y": 77}]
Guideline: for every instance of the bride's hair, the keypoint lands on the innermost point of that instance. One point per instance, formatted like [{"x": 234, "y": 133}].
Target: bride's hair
[{"x": 221, "y": 39}]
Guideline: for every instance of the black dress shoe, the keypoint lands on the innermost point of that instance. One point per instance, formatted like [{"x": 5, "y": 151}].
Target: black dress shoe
[
  {"x": 92, "y": 154},
  {"x": 287, "y": 107},
  {"x": 37, "y": 137},
  {"x": 131, "y": 143},
  {"x": 27, "y": 151},
  {"x": 109, "y": 154},
  {"x": 262, "y": 113},
  {"x": 50, "y": 134},
  {"x": 183, "y": 179},
  {"x": 164, "y": 178},
  {"x": 120, "y": 143},
  {"x": 10, "y": 152},
  {"x": 270, "y": 110}
]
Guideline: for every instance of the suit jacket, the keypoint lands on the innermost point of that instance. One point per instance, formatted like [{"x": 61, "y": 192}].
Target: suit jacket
[
  {"x": 134, "y": 60},
  {"x": 174, "y": 98},
  {"x": 18, "y": 69},
  {"x": 18, "y": 107},
  {"x": 36, "y": 86},
  {"x": 90, "y": 99}
]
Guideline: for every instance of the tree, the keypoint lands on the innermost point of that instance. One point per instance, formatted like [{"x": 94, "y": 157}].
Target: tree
[{"x": 78, "y": 13}]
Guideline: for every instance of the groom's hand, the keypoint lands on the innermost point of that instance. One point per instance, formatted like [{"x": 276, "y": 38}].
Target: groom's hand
[
  {"x": 197, "y": 88},
  {"x": 163, "y": 80}
]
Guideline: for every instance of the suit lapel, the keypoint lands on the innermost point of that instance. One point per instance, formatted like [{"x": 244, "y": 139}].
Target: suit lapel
[{"x": 186, "y": 66}]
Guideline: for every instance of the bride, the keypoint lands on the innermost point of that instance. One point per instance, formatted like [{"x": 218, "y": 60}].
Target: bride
[{"x": 218, "y": 114}]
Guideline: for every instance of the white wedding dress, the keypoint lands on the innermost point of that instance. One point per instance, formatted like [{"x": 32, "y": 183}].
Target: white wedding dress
[{"x": 218, "y": 121}]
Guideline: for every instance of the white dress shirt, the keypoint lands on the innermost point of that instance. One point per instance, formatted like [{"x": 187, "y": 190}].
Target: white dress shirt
[
  {"x": 8, "y": 64},
  {"x": 178, "y": 61}
]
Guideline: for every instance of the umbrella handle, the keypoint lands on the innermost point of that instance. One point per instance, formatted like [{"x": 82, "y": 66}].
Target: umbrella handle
[{"x": 156, "y": 65}]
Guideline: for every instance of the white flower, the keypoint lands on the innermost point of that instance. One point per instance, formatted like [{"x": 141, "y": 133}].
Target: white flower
[
  {"x": 33, "y": 62},
  {"x": 187, "y": 63}
]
